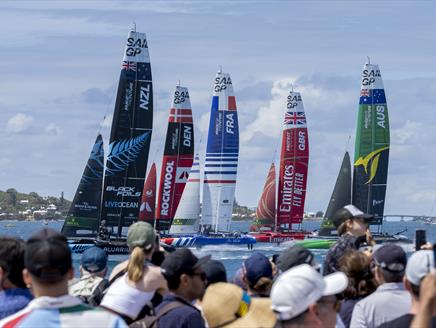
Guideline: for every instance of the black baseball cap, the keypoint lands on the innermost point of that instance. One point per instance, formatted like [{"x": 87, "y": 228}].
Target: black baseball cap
[
  {"x": 215, "y": 271},
  {"x": 293, "y": 256},
  {"x": 349, "y": 212},
  {"x": 47, "y": 255},
  {"x": 181, "y": 261}
]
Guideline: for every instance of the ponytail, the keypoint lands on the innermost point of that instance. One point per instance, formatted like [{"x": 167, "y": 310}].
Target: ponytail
[{"x": 135, "y": 267}]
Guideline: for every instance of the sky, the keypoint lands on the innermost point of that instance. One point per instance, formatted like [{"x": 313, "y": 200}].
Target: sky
[{"x": 60, "y": 64}]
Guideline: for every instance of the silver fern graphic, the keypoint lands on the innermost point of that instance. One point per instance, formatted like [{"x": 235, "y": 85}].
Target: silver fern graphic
[
  {"x": 124, "y": 152},
  {"x": 94, "y": 167}
]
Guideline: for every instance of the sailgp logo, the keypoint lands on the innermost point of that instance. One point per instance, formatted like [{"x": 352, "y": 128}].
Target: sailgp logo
[
  {"x": 124, "y": 152},
  {"x": 364, "y": 161}
]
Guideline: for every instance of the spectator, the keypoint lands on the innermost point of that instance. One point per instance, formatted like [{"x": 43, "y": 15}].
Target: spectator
[
  {"x": 351, "y": 224},
  {"x": 419, "y": 265},
  {"x": 48, "y": 268},
  {"x": 238, "y": 279},
  {"x": 390, "y": 300},
  {"x": 426, "y": 311},
  {"x": 140, "y": 280},
  {"x": 361, "y": 282},
  {"x": 215, "y": 272},
  {"x": 13, "y": 292},
  {"x": 295, "y": 255},
  {"x": 302, "y": 297},
  {"x": 258, "y": 274},
  {"x": 227, "y": 305},
  {"x": 186, "y": 282},
  {"x": 93, "y": 269}
]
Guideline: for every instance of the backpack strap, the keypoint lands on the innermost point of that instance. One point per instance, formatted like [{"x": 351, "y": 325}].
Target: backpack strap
[{"x": 165, "y": 309}]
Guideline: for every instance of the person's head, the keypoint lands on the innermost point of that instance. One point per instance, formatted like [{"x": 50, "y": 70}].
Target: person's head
[
  {"x": 418, "y": 266},
  {"x": 94, "y": 261},
  {"x": 258, "y": 274},
  {"x": 215, "y": 272},
  {"x": 238, "y": 279},
  {"x": 11, "y": 263},
  {"x": 302, "y": 296},
  {"x": 293, "y": 256},
  {"x": 141, "y": 239},
  {"x": 184, "y": 273},
  {"x": 48, "y": 264},
  {"x": 227, "y": 305},
  {"x": 389, "y": 263},
  {"x": 349, "y": 219},
  {"x": 356, "y": 266}
]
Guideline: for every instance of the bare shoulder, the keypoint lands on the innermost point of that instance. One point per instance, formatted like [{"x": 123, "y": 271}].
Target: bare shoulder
[{"x": 119, "y": 267}]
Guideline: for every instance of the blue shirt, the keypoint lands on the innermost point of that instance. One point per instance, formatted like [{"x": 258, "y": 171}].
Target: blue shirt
[
  {"x": 186, "y": 316},
  {"x": 13, "y": 300}
]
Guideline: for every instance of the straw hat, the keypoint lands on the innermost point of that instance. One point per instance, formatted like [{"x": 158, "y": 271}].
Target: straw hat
[{"x": 227, "y": 305}]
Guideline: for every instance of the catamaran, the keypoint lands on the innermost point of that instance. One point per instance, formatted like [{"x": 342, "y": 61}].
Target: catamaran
[
  {"x": 177, "y": 158},
  {"x": 127, "y": 159},
  {"x": 220, "y": 172},
  {"x": 371, "y": 157},
  {"x": 275, "y": 224}
]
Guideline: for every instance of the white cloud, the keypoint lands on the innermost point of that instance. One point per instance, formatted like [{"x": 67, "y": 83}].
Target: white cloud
[{"x": 19, "y": 123}]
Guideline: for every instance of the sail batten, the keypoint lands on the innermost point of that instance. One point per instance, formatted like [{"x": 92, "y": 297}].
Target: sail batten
[
  {"x": 129, "y": 139},
  {"x": 177, "y": 159},
  {"x": 294, "y": 161},
  {"x": 371, "y": 155},
  {"x": 222, "y": 152}
]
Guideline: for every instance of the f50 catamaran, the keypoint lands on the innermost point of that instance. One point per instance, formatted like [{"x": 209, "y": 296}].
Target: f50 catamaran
[
  {"x": 128, "y": 152},
  {"x": 370, "y": 168},
  {"x": 275, "y": 225}
]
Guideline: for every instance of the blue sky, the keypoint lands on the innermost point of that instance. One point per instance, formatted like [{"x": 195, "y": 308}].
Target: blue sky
[{"x": 60, "y": 63}]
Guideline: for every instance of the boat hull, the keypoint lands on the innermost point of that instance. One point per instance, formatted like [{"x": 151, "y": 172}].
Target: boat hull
[
  {"x": 111, "y": 248},
  {"x": 118, "y": 247},
  {"x": 278, "y": 237},
  {"x": 200, "y": 240}
]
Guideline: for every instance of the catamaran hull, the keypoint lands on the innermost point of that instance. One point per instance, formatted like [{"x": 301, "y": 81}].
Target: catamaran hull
[
  {"x": 278, "y": 237},
  {"x": 111, "y": 248},
  {"x": 78, "y": 247},
  {"x": 200, "y": 241}
]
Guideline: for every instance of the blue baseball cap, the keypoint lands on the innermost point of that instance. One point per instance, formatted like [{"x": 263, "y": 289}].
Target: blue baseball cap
[
  {"x": 256, "y": 267},
  {"x": 94, "y": 259}
]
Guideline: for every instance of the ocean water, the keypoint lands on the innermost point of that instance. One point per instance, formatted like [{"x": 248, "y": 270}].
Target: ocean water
[{"x": 231, "y": 256}]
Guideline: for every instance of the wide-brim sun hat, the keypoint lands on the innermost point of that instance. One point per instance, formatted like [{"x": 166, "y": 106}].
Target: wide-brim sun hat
[{"x": 227, "y": 305}]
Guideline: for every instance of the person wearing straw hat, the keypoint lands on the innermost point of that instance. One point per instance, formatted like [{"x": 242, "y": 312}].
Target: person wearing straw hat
[{"x": 229, "y": 306}]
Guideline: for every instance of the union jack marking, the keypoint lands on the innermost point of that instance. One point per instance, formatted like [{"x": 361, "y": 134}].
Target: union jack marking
[
  {"x": 127, "y": 65},
  {"x": 364, "y": 93},
  {"x": 295, "y": 118}
]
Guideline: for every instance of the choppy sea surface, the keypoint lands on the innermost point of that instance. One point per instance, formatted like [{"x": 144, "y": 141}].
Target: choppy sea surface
[{"x": 231, "y": 256}]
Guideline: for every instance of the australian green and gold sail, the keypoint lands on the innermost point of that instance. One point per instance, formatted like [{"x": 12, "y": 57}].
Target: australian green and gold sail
[{"x": 371, "y": 154}]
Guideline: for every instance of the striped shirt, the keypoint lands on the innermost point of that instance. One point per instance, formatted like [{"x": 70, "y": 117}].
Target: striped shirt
[{"x": 64, "y": 311}]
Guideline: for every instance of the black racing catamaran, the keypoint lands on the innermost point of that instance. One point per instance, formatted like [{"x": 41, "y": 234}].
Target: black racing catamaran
[{"x": 128, "y": 155}]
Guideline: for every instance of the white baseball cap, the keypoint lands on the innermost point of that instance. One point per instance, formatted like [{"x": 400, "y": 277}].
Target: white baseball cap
[
  {"x": 419, "y": 265},
  {"x": 302, "y": 286}
]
